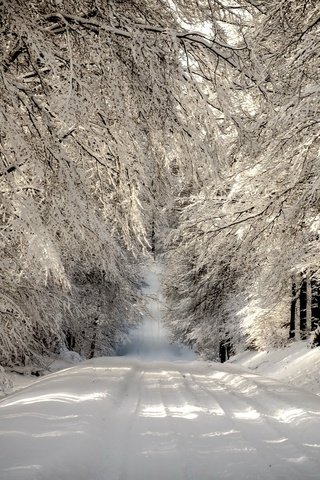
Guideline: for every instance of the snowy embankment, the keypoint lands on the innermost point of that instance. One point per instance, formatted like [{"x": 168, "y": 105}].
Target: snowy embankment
[
  {"x": 13, "y": 379},
  {"x": 297, "y": 365}
]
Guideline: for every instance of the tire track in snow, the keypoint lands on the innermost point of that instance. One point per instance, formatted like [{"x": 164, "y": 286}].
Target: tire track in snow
[
  {"x": 248, "y": 419},
  {"x": 252, "y": 459},
  {"x": 267, "y": 410},
  {"x": 150, "y": 439},
  {"x": 129, "y": 408},
  {"x": 174, "y": 402},
  {"x": 126, "y": 403},
  {"x": 209, "y": 436}
]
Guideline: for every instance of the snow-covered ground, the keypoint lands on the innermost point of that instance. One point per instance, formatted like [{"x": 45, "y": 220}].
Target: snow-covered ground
[
  {"x": 12, "y": 381},
  {"x": 159, "y": 417},
  {"x": 124, "y": 418},
  {"x": 297, "y": 365}
]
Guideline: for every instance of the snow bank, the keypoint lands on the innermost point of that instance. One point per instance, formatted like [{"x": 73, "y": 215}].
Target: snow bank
[
  {"x": 69, "y": 356},
  {"x": 297, "y": 365},
  {"x": 12, "y": 380}
]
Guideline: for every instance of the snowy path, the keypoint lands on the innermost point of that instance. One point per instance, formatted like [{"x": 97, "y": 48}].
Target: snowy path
[
  {"x": 131, "y": 418},
  {"x": 122, "y": 418}
]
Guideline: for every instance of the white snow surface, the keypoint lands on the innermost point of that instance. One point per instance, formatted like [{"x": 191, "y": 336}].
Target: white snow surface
[
  {"x": 125, "y": 418},
  {"x": 297, "y": 365},
  {"x": 158, "y": 417}
]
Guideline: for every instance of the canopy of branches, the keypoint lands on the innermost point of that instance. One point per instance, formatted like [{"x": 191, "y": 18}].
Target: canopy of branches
[{"x": 196, "y": 119}]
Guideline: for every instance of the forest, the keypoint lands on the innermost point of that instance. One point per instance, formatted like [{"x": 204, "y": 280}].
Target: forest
[{"x": 187, "y": 131}]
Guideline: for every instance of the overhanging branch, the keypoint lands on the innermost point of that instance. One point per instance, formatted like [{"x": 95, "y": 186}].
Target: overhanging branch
[{"x": 218, "y": 49}]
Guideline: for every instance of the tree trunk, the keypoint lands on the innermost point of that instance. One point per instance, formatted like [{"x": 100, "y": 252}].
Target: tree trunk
[
  {"x": 292, "y": 331},
  {"x": 315, "y": 304},
  {"x": 309, "y": 304},
  {"x": 303, "y": 309},
  {"x": 70, "y": 340},
  {"x": 224, "y": 350},
  {"x": 94, "y": 337},
  {"x": 153, "y": 242}
]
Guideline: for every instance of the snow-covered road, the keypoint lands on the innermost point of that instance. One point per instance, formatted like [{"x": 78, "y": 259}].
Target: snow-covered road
[{"x": 124, "y": 418}]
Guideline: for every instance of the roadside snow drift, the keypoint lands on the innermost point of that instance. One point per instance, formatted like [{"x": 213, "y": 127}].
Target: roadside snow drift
[{"x": 297, "y": 364}]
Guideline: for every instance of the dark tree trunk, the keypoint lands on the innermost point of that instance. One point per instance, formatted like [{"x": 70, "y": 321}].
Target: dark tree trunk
[
  {"x": 70, "y": 340},
  {"x": 94, "y": 337},
  {"x": 303, "y": 309},
  {"x": 224, "y": 351},
  {"x": 292, "y": 331},
  {"x": 315, "y": 304},
  {"x": 153, "y": 241}
]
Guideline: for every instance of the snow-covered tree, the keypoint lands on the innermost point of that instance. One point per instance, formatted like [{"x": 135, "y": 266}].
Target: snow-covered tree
[
  {"x": 241, "y": 240},
  {"x": 107, "y": 110},
  {"x": 121, "y": 116}
]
